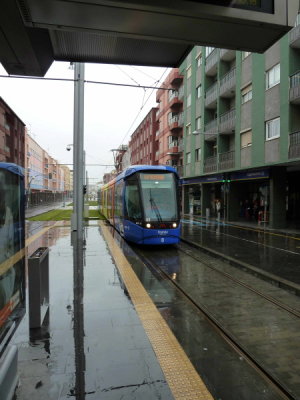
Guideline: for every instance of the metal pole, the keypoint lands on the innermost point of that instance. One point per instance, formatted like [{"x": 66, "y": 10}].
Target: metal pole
[{"x": 78, "y": 153}]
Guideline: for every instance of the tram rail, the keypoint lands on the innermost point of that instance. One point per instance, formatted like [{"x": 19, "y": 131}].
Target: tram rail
[{"x": 228, "y": 336}]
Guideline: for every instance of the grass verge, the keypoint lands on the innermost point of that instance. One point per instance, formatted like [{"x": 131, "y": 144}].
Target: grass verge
[{"x": 62, "y": 215}]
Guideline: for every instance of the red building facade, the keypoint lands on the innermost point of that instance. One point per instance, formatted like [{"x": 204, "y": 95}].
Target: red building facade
[
  {"x": 169, "y": 139},
  {"x": 12, "y": 136},
  {"x": 142, "y": 143}
]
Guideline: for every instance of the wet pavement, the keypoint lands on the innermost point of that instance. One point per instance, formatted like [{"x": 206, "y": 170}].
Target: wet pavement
[
  {"x": 265, "y": 331},
  {"x": 272, "y": 254},
  {"x": 94, "y": 349}
]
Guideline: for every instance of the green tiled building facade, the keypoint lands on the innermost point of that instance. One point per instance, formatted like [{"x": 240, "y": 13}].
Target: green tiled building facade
[{"x": 242, "y": 133}]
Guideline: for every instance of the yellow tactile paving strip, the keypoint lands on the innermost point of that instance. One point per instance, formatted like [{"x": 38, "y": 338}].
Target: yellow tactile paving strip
[
  {"x": 7, "y": 264},
  {"x": 182, "y": 378}
]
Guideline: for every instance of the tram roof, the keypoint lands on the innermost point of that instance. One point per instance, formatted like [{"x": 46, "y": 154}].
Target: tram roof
[
  {"x": 14, "y": 168},
  {"x": 136, "y": 168}
]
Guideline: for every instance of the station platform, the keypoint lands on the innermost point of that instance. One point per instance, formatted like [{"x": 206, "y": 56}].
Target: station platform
[
  {"x": 103, "y": 338},
  {"x": 114, "y": 343}
]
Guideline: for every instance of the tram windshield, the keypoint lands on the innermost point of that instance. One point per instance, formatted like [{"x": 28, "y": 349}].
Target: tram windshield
[{"x": 159, "y": 196}]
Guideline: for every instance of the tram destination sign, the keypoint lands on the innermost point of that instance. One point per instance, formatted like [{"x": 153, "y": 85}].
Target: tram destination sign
[{"x": 266, "y": 6}]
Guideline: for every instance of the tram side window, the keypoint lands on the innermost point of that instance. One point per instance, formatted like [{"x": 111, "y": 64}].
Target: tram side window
[
  {"x": 132, "y": 201},
  {"x": 118, "y": 199}
]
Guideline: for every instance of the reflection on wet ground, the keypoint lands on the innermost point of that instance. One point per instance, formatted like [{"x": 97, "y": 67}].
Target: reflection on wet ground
[
  {"x": 93, "y": 346},
  {"x": 274, "y": 253},
  {"x": 215, "y": 360},
  {"x": 259, "y": 328}
]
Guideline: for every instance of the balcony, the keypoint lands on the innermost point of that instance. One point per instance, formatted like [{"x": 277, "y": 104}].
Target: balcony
[
  {"x": 295, "y": 37},
  {"x": 294, "y": 149},
  {"x": 228, "y": 84},
  {"x": 211, "y": 96},
  {"x": 210, "y": 164},
  {"x": 227, "y": 55},
  {"x": 175, "y": 78},
  {"x": 211, "y": 63},
  {"x": 295, "y": 88},
  {"x": 211, "y": 130},
  {"x": 227, "y": 160},
  {"x": 227, "y": 122},
  {"x": 174, "y": 100},
  {"x": 173, "y": 148}
]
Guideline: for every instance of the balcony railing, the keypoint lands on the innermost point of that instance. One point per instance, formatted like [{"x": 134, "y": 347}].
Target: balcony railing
[
  {"x": 173, "y": 144},
  {"x": 211, "y": 63},
  {"x": 173, "y": 94},
  {"x": 294, "y": 149},
  {"x": 227, "y": 122},
  {"x": 295, "y": 88},
  {"x": 295, "y": 37},
  {"x": 211, "y": 96},
  {"x": 210, "y": 164},
  {"x": 211, "y": 129},
  {"x": 228, "y": 84},
  {"x": 226, "y": 160},
  {"x": 227, "y": 55}
]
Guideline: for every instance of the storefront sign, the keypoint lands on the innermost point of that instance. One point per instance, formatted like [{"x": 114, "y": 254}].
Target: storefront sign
[
  {"x": 249, "y": 175},
  {"x": 202, "y": 179}
]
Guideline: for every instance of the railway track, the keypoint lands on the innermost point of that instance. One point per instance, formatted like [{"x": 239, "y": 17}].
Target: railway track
[{"x": 281, "y": 387}]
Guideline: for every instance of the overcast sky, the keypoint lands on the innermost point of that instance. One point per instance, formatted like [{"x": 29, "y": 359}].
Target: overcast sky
[{"x": 111, "y": 112}]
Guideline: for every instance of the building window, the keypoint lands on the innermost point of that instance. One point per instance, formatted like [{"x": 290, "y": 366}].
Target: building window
[
  {"x": 188, "y": 72},
  {"x": 246, "y": 139},
  {"x": 189, "y": 100},
  {"x": 208, "y": 51},
  {"x": 246, "y": 94},
  {"x": 188, "y": 129},
  {"x": 199, "y": 60},
  {"x": 273, "y": 129},
  {"x": 245, "y": 54},
  {"x": 188, "y": 158},
  {"x": 198, "y": 123},
  {"x": 198, "y": 92},
  {"x": 273, "y": 76},
  {"x": 198, "y": 155}
]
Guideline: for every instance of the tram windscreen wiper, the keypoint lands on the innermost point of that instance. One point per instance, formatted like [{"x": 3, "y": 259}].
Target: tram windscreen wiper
[{"x": 155, "y": 208}]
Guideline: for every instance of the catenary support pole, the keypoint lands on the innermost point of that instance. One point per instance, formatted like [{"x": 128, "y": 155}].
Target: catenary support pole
[{"x": 78, "y": 152}]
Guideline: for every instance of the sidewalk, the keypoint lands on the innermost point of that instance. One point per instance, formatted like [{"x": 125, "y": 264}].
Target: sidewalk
[{"x": 36, "y": 210}]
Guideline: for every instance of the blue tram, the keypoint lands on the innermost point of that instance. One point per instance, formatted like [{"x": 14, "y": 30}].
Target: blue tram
[{"x": 142, "y": 203}]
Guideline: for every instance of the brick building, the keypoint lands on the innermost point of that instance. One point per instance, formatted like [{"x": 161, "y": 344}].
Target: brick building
[
  {"x": 12, "y": 136},
  {"x": 142, "y": 143}
]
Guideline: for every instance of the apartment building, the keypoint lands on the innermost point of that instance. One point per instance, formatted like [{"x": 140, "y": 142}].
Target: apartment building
[
  {"x": 169, "y": 135},
  {"x": 242, "y": 133},
  {"x": 12, "y": 136},
  {"x": 143, "y": 141},
  {"x": 45, "y": 180}
]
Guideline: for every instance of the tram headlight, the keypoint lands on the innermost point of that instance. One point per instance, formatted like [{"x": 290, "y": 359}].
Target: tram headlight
[
  {"x": 174, "y": 225},
  {"x": 148, "y": 225}
]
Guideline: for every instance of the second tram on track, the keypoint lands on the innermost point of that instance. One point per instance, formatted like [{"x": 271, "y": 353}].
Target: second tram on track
[{"x": 142, "y": 203}]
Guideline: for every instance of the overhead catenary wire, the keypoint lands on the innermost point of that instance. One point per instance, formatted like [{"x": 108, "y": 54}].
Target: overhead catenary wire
[{"x": 86, "y": 81}]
